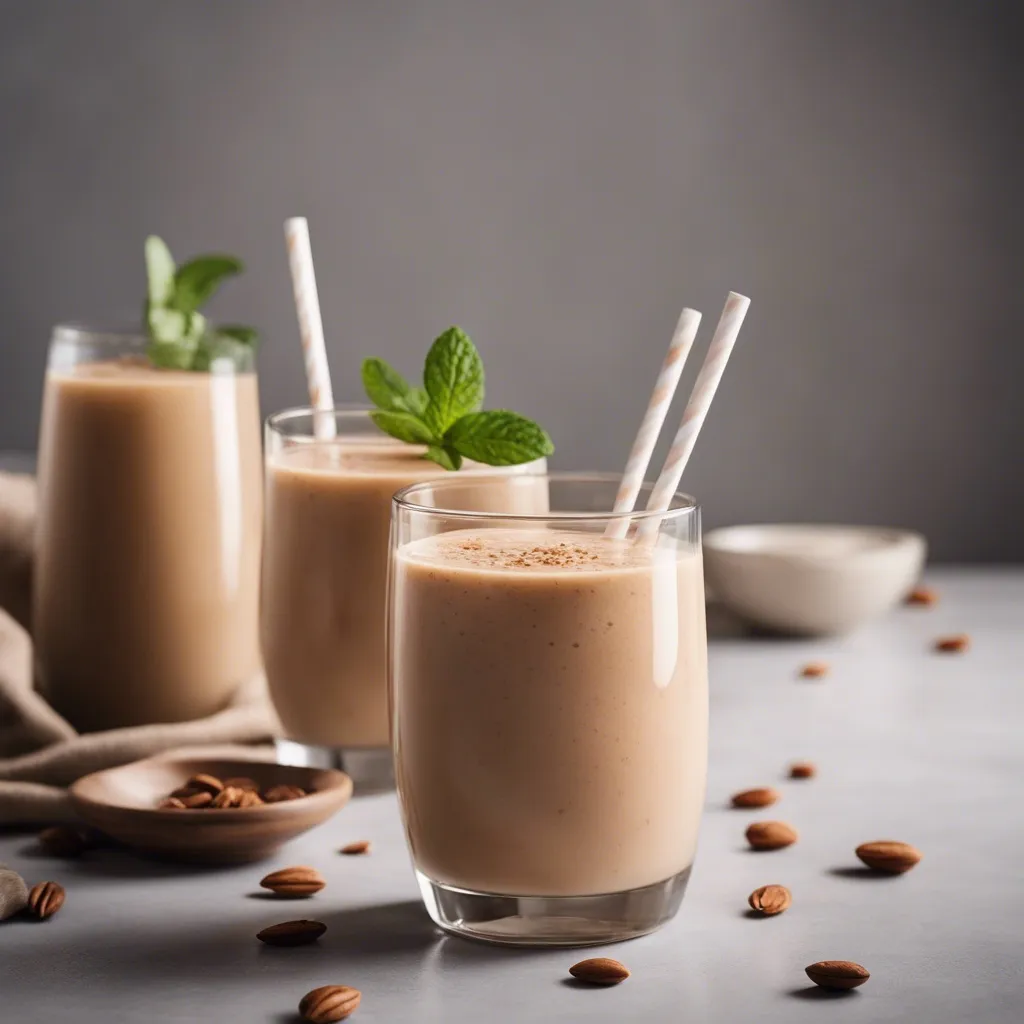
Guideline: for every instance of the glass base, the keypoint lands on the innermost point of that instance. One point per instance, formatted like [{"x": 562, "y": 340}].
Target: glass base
[
  {"x": 553, "y": 920},
  {"x": 371, "y": 769}
]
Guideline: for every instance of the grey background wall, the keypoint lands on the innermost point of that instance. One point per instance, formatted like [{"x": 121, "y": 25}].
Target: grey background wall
[{"x": 560, "y": 178}]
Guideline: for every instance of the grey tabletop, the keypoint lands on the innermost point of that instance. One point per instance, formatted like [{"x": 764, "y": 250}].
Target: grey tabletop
[{"x": 910, "y": 745}]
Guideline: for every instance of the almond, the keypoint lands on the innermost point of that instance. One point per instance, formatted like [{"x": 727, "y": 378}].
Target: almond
[
  {"x": 802, "y": 770},
  {"x": 229, "y": 796},
  {"x": 770, "y": 899},
  {"x": 329, "y": 1003},
  {"x": 292, "y": 933},
  {"x": 956, "y": 644},
  {"x": 923, "y": 597},
  {"x": 888, "y": 855},
  {"x": 62, "y": 841},
  {"x": 200, "y": 798},
  {"x": 353, "y": 849},
  {"x": 210, "y": 783},
  {"x": 182, "y": 792},
  {"x": 242, "y": 782},
  {"x": 771, "y": 835},
  {"x": 249, "y": 798},
  {"x": 294, "y": 883},
  {"x": 171, "y": 803},
  {"x": 45, "y": 899},
  {"x": 277, "y": 794},
  {"x": 814, "y": 670},
  {"x": 765, "y": 796},
  {"x": 599, "y": 970},
  {"x": 838, "y": 975}
]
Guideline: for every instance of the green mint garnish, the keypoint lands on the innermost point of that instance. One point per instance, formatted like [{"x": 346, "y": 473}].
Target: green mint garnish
[
  {"x": 445, "y": 414},
  {"x": 180, "y": 337}
]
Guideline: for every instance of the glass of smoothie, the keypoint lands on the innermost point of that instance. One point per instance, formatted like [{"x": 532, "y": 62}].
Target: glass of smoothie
[
  {"x": 325, "y": 558},
  {"x": 146, "y": 586},
  {"x": 548, "y": 690}
]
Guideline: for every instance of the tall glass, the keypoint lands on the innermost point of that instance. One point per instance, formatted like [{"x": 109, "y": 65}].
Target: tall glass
[
  {"x": 147, "y": 573},
  {"x": 325, "y": 560},
  {"x": 549, "y": 699}
]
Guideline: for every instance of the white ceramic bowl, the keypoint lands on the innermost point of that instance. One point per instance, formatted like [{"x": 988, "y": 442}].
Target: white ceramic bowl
[{"x": 811, "y": 579}]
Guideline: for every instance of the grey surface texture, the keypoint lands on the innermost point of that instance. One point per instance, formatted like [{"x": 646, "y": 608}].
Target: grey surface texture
[
  {"x": 910, "y": 745},
  {"x": 560, "y": 178}
]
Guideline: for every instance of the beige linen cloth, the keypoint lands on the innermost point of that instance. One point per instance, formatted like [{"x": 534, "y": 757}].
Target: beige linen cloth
[{"x": 40, "y": 753}]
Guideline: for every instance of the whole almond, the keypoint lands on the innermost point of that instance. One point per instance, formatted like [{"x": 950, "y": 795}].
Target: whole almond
[
  {"x": 171, "y": 803},
  {"x": 354, "y": 849},
  {"x": 242, "y": 782},
  {"x": 889, "y": 855},
  {"x": 764, "y": 796},
  {"x": 292, "y": 933},
  {"x": 329, "y": 1003},
  {"x": 62, "y": 841},
  {"x": 294, "y": 883},
  {"x": 956, "y": 644},
  {"x": 229, "y": 796},
  {"x": 814, "y": 670},
  {"x": 210, "y": 783},
  {"x": 802, "y": 770},
  {"x": 282, "y": 792},
  {"x": 599, "y": 970},
  {"x": 45, "y": 899},
  {"x": 838, "y": 975},
  {"x": 200, "y": 798},
  {"x": 770, "y": 899},
  {"x": 249, "y": 798},
  {"x": 923, "y": 597},
  {"x": 183, "y": 792},
  {"x": 771, "y": 835}
]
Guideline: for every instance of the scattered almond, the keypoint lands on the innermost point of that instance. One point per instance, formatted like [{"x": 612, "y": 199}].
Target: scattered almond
[
  {"x": 955, "y": 644},
  {"x": 771, "y": 835},
  {"x": 770, "y": 899},
  {"x": 599, "y": 970},
  {"x": 242, "y": 782},
  {"x": 210, "y": 783},
  {"x": 294, "y": 883},
  {"x": 292, "y": 933},
  {"x": 329, "y": 1003},
  {"x": 814, "y": 670},
  {"x": 922, "y": 596},
  {"x": 838, "y": 975},
  {"x": 171, "y": 803},
  {"x": 277, "y": 794},
  {"x": 45, "y": 899},
  {"x": 888, "y": 855},
  {"x": 362, "y": 846},
  {"x": 765, "y": 796},
  {"x": 802, "y": 770},
  {"x": 200, "y": 798},
  {"x": 229, "y": 796},
  {"x": 62, "y": 841}
]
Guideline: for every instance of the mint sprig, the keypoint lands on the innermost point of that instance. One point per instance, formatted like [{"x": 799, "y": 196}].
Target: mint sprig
[
  {"x": 180, "y": 337},
  {"x": 445, "y": 414}
]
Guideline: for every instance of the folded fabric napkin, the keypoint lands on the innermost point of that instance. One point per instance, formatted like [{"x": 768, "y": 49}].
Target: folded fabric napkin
[{"x": 40, "y": 753}]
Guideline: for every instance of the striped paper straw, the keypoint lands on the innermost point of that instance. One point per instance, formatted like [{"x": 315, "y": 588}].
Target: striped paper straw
[
  {"x": 311, "y": 328},
  {"x": 657, "y": 409},
  {"x": 696, "y": 409}
]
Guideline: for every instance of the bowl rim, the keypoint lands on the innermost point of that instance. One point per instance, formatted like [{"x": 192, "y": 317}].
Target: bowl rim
[{"x": 720, "y": 540}]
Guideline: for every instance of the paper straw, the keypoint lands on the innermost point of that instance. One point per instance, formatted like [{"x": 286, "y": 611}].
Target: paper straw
[
  {"x": 696, "y": 408},
  {"x": 650, "y": 427},
  {"x": 311, "y": 328}
]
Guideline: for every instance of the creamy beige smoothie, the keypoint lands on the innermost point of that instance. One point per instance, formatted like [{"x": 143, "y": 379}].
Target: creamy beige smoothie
[
  {"x": 550, "y": 695},
  {"x": 147, "y": 576},
  {"x": 328, "y": 514}
]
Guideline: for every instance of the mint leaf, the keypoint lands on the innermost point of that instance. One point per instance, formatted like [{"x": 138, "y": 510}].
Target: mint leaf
[
  {"x": 171, "y": 355},
  {"x": 453, "y": 376},
  {"x": 196, "y": 281},
  {"x": 446, "y": 458},
  {"x": 498, "y": 438},
  {"x": 404, "y": 426},
  {"x": 385, "y": 386},
  {"x": 416, "y": 401},
  {"x": 166, "y": 326},
  {"x": 239, "y": 332},
  {"x": 159, "y": 272}
]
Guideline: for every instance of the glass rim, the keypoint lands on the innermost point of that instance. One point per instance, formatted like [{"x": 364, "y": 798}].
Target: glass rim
[
  {"x": 77, "y": 332},
  {"x": 343, "y": 410},
  {"x": 687, "y": 505}
]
